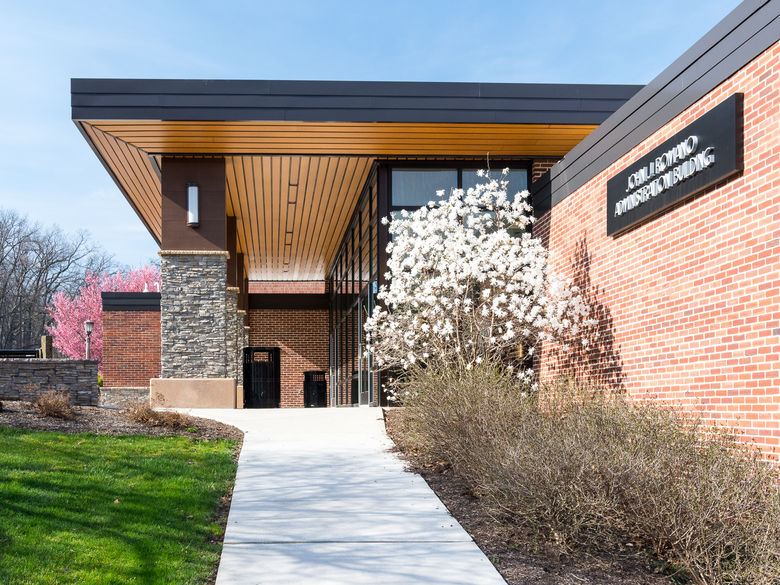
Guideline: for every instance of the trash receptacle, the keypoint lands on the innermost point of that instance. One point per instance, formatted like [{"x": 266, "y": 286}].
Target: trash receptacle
[{"x": 315, "y": 390}]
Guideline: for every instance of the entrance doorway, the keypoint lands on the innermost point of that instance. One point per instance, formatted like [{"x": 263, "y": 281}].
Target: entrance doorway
[{"x": 262, "y": 378}]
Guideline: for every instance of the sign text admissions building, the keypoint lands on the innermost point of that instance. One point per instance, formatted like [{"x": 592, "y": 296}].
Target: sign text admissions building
[{"x": 703, "y": 153}]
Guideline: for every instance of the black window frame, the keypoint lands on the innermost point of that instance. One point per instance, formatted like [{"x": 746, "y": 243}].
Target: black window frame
[{"x": 450, "y": 164}]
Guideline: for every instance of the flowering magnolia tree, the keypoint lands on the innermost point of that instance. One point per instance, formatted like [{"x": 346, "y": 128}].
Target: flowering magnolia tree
[
  {"x": 468, "y": 284},
  {"x": 68, "y": 314}
]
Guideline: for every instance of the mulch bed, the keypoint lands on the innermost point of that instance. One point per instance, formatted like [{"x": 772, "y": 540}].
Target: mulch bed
[
  {"x": 107, "y": 421},
  {"x": 520, "y": 561}
]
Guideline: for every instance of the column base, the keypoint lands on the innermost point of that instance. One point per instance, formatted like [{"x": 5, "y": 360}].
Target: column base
[{"x": 239, "y": 396}]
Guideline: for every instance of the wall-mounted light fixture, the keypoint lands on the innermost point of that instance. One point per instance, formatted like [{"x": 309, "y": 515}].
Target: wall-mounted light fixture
[{"x": 192, "y": 206}]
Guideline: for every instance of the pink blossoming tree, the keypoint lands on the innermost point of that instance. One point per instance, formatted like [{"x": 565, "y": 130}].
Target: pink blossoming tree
[{"x": 68, "y": 314}]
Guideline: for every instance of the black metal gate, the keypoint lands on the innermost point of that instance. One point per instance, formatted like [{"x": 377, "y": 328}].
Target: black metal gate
[{"x": 262, "y": 380}]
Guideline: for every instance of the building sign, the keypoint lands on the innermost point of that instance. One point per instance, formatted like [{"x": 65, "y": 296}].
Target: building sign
[{"x": 702, "y": 154}]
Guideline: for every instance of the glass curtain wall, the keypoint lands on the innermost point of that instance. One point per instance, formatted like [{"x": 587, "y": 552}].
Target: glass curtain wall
[
  {"x": 414, "y": 187},
  {"x": 354, "y": 276},
  {"x": 353, "y": 284},
  {"x": 411, "y": 188}
]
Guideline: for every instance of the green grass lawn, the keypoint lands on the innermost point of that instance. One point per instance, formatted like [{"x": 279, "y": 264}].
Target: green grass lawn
[{"x": 95, "y": 509}]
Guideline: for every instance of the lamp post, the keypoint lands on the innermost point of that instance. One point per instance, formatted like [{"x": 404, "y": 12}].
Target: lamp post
[{"x": 88, "y": 330}]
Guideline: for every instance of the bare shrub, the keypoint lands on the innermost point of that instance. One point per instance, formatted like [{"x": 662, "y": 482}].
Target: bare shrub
[
  {"x": 578, "y": 467},
  {"x": 173, "y": 419},
  {"x": 54, "y": 403},
  {"x": 141, "y": 412},
  {"x": 709, "y": 505}
]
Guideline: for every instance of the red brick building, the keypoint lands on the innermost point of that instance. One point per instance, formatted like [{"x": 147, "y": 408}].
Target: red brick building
[
  {"x": 687, "y": 295},
  {"x": 131, "y": 346},
  {"x": 265, "y": 196}
]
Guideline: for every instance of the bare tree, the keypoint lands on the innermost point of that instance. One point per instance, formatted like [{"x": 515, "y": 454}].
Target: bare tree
[{"x": 35, "y": 262}]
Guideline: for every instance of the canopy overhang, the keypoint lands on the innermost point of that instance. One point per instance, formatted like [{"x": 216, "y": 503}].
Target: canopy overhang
[{"x": 298, "y": 153}]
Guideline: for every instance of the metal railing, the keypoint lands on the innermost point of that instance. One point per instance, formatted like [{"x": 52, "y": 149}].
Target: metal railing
[{"x": 20, "y": 353}]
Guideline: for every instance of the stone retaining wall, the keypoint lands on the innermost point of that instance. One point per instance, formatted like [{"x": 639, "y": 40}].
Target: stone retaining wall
[
  {"x": 123, "y": 397},
  {"x": 24, "y": 379}
]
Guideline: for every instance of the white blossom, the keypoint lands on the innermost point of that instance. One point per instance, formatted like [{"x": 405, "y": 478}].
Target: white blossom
[{"x": 462, "y": 289}]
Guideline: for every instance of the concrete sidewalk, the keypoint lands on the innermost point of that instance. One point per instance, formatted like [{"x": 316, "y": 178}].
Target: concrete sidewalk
[{"x": 320, "y": 500}]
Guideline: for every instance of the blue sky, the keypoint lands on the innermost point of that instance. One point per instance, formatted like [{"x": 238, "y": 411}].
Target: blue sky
[{"x": 48, "y": 171}]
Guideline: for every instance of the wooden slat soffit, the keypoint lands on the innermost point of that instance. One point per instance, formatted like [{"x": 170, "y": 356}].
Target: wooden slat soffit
[
  {"x": 372, "y": 139},
  {"x": 133, "y": 172},
  {"x": 292, "y": 210},
  {"x": 292, "y": 186}
]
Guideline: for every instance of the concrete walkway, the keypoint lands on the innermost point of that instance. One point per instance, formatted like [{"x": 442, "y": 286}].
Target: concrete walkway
[{"x": 320, "y": 500}]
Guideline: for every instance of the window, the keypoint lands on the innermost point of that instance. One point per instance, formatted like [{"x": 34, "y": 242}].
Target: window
[
  {"x": 416, "y": 187},
  {"x": 518, "y": 180},
  {"x": 413, "y": 188}
]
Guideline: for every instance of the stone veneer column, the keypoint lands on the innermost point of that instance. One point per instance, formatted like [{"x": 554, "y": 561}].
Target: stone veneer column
[
  {"x": 242, "y": 341},
  {"x": 233, "y": 341},
  {"x": 193, "y": 314}
]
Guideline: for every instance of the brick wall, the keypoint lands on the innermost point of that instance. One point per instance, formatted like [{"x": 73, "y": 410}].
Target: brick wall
[
  {"x": 131, "y": 348},
  {"x": 539, "y": 166},
  {"x": 688, "y": 303},
  {"x": 302, "y": 336},
  {"x": 287, "y": 287}
]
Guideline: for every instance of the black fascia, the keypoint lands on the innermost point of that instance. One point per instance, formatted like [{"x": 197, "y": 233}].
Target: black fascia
[
  {"x": 131, "y": 301},
  {"x": 743, "y": 34},
  {"x": 345, "y": 101}
]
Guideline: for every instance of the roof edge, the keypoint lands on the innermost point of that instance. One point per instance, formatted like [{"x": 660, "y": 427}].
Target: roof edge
[
  {"x": 344, "y": 101},
  {"x": 746, "y": 32}
]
